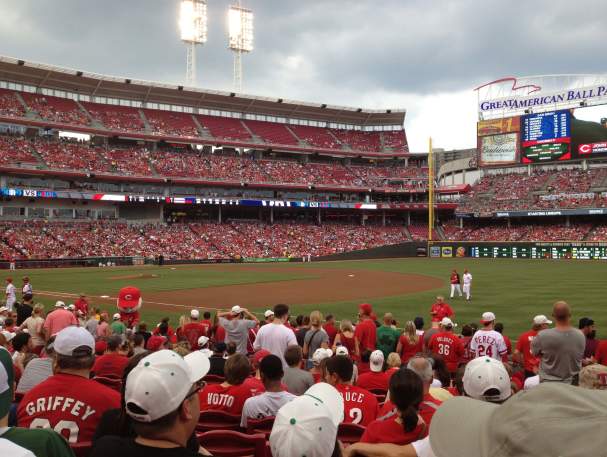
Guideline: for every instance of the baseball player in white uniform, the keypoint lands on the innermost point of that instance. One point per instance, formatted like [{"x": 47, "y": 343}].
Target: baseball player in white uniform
[
  {"x": 11, "y": 298},
  {"x": 467, "y": 283}
]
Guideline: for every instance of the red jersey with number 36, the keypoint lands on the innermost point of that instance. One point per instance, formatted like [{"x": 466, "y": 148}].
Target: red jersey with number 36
[
  {"x": 449, "y": 347},
  {"x": 71, "y": 405},
  {"x": 360, "y": 405}
]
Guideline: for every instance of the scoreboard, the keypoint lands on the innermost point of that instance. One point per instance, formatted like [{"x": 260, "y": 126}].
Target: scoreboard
[
  {"x": 579, "y": 251},
  {"x": 546, "y": 136}
]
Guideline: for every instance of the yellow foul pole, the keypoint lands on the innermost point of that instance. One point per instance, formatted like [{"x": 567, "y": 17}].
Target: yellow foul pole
[{"x": 430, "y": 190}]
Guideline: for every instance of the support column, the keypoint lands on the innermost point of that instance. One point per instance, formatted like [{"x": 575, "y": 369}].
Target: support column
[
  {"x": 318, "y": 216},
  {"x": 461, "y": 222},
  {"x": 408, "y": 217},
  {"x": 567, "y": 221},
  {"x": 219, "y": 214},
  {"x": 271, "y": 215},
  {"x": 509, "y": 222},
  {"x": 383, "y": 218}
]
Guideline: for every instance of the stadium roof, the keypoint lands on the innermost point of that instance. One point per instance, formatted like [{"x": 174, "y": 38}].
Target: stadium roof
[{"x": 91, "y": 84}]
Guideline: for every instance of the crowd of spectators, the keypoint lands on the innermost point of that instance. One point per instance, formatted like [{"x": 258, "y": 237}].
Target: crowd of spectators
[
  {"x": 116, "y": 118},
  {"x": 522, "y": 232},
  {"x": 14, "y": 149},
  {"x": 236, "y": 239},
  {"x": 171, "y": 123},
  {"x": 61, "y": 110},
  {"x": 102, "y": 383},
  {"x": 10, "y": 105}
]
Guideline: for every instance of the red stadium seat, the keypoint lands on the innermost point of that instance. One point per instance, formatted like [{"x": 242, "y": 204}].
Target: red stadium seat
[
  {"x": 217, "y": 420},
  {"x": 260, "y": 426},
  {"x": 226, "y": 443},
  {"x": 350, "y": 433},
  {"x": 81, "y": 449}
]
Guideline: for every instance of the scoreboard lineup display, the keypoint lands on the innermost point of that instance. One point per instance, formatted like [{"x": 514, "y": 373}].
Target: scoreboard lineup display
[
  {"x": 577, "y": 251},
  {"x": 546, "y": 136}
]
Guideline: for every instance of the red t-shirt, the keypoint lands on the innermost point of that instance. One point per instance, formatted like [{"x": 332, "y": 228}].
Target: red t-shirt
[
  {"x": 331, "y": 331},
  {"x": 449, "y": 347},
  {"x": 229, "y": 399},
  {"x": 220, "y": 334},
  {"x": 454, "y": 278},
  {"x": 523, "y": 345},
  {"x": 508, "y": 344},
  {"x": 409, "y": 349},
  {"x": 387, "y": 430},
  {"x": 601, "y": 352},
  {"x": 373, "y": 380},
  {"x": 71, "y": 405},
  {"x": 363, "y": 367},
  {"x": 110, "y": 365},
  {"x": 171, "y": 336},
  {"x": 468, "y": 354},
  {"x": 440, "y": 310},
  {"x": 349, "y": 343},
  {"x": 192, "y": 332},
  {"x": 257, "y": 386},
  {"x": 207, "y": 324},
  {"x": 82, "y": 305},
  {"x": 360, "y": 405},
  {"x": 366, "y": 333},
  {"x": 427, "y": 408}
]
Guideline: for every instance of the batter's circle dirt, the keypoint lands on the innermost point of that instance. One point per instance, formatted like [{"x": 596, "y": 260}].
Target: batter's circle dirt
[{"x": 332, "y": 285}]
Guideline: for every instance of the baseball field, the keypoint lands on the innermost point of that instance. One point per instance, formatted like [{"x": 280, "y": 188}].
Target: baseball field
[{"x": 515, "y": 290}]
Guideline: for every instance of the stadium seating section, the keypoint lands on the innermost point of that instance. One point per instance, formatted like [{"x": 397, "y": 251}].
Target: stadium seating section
[{"x": 526, "y": 232}]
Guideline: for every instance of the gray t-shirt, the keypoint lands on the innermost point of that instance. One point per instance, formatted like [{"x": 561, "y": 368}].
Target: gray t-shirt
[
  {"x": 237, "y": 331},
  {"x": 315, "y": 339},
  {"x": 297, "y": 380},
  {"x": 36, "y": 371},
  {"x": 561, "y": 353}
]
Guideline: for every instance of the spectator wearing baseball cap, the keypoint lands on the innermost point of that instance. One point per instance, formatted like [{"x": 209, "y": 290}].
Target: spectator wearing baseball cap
[
  {"x": 161, "y": 400},
  {"x": 69, "y": 397},
  {"x": 217, "y": 359},
  {"x": 308, "y": 424},
  {"x": 268, "y": 316},
  {"x": 487, "y": 342},
  {"x": 230, "y": 395},
  {"x": 117, "y": 326},
  {"x": 560, "y": 349},
  {"x": 39, "y": 441},
  {"x": 59, "y": 319},
  {"x": 113, "y": 361},
  {"x": 366, "y": 331},
  {"x": 276, "y": 337},
  {"x": 157, "y": 343},
  {"x": 296, "y": 379},
  {"x": 522, "y": 352},
  {"x": 237, "y": 326},
  {"x": 594, "y": 377},
  {"x": 82, "y": 304},
  {"x": 375, "y": 378},
  {"x": 193, "y": 330},
  {"x": 319, "y": 355},
  {"x": 447, "y": 345},
  {"x": 588, "y": 328},
  {"x": 268, "y": 403}
]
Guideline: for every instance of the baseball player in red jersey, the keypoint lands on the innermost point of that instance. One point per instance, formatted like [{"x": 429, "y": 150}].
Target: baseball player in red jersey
[
  {"x": 69, "y": 402},
  {"x": 129, "y": 302},
  {"x": 522, "y": 352},
  {"x": 454, "y": 279},
  {"x": 360, "y": 405},
  {"x": 447, "y": 345},
  {"x": 439, "y": 310}
]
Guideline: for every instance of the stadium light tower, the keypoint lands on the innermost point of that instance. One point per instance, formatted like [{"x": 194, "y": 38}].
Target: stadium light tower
[
  {"x": 240, "y": 40},
  {"x": 193, "y": 28}
]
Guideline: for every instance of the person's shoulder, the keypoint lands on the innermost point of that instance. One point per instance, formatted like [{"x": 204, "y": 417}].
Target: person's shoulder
[
  {"x": 111, "y": 443},
  {"x": 40, "y": 435}
]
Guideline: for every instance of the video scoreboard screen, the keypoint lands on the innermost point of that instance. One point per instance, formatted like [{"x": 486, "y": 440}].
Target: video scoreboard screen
[
  {"x": 536, "y": 251},
  {"x": 546, "y": 136}
]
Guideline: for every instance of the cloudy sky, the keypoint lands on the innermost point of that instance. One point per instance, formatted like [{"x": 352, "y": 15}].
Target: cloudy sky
[{"x": 422, "y": 55}]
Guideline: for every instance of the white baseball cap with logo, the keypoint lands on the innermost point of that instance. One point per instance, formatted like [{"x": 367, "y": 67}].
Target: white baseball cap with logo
[
  {"x": 307, "y": 426},
  {"x": 116, "y": 316},
  {"x": 8, "y": 336},
  {"x": 486, "y": 373},
  {"x": 376, "y": 361},
  {"x": 236, "y": 310},
  {"x": 541, "y": 320},
  {"x": 194, "y": 314},
  {"x": 320, "y": 354},
  {"x": 446, "y": 322},
  {"x": 341, "y": 350},
  {"x": 202, "y": 341},
  {"x": 74, "y": 341},
  {"x": 487, "y": 317},
  {"x": 161, "y": 381},
  {"x": 59, "y": 304},
  {"x": 268, "y": 313}
]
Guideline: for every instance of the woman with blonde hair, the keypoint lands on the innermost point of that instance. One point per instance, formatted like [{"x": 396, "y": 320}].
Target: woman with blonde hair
[
  {"x": 345, "y": 338},
  {"x": 315, "y": 338},
  {"x": 410, "y": 343},
  {"x": 34, "y": 324},
  {"x": 393, "y": 363}
]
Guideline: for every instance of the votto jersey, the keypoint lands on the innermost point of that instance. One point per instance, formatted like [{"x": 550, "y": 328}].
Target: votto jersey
[
  {"x": 360, "y": 405},
  {"x": 488, "y": 343},
  {"x": 226, "y": 398},
  {"x": 71, "y": 405}
]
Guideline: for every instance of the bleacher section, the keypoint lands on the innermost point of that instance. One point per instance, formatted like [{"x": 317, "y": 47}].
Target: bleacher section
[
  {"x": 56, "y": 109},
  {"x": 171, "y": 123},
  {"x": 116, "y": 118},
  {"x": 271, "y": 132}
]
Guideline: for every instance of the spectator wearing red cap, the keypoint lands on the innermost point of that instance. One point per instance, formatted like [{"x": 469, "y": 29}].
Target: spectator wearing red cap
[
  {"x": 366, "y": 331},
  {"x": 129, "y": 302},
  {"x": 156, "y": 343},
  {"x": 255, "y": 382}
]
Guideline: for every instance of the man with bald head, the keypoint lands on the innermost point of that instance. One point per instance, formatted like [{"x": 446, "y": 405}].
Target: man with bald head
[{"x": 560, "y": 349}]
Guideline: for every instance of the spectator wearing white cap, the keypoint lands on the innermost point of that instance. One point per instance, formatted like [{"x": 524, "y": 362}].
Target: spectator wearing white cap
[
  {"x": 308, "y": 424},
  {"x": 276, "y": 337},
  {"x": 237, "y": 326},
  {"x": 117, "y": 327},
  {"x": 69, "y": 402},
  {"x": 319, "y": 355},
  {"x": 193, "y": 330},
  {"x": 560, "y": 349},
  {"x": 376, "y": 378},
  {"x": 161, "y": 399},
  {"x": 487, "y": 342},
  {"x": 59, "y": 319},
  {"x": 268, "y": 316},
  {"x": 447, "y": 345},
  {"x": 522, "y": 352},
  {"x": 14, "y": 440},
  {"x": 296, "y": 379}
]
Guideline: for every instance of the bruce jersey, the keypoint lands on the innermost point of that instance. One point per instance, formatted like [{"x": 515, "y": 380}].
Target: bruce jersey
[{"x": 360, "y": 405}]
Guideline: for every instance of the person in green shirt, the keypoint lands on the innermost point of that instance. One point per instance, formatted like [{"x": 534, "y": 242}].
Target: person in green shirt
[
  {"x": 387, "y": 335},
  {"x": 41, "y": 442},
  {"x": 117, "y": 326}
]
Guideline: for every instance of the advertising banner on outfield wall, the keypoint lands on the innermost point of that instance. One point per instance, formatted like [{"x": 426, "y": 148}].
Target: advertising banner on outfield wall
[{"x": 498, "y": 149}]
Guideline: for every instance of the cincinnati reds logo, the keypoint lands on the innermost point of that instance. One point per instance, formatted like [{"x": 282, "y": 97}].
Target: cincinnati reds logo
[
  {"x": 585, "y": 148},
  {"x": 128, "y": 297},
  {"x": 533, "y": 87}
]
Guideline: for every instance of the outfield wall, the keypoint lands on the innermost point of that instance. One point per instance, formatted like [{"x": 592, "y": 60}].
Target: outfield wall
[{"x": 411, "y": 249}]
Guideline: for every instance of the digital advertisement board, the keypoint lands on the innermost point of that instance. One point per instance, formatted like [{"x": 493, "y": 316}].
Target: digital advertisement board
[
  {"x": 589, "y": 132},
  {"x": 524, "y": 250},
  {"x": 499, "y": 149},
  {"x": 546, "y": 137},
  {"x": 497, "y": 126}
]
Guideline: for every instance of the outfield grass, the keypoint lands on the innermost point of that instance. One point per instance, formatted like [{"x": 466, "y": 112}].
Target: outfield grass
[{"x": 515, "y": 290}]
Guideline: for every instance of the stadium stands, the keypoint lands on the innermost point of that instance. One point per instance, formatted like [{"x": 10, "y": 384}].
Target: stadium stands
[
  {"x": 358, "y": 140},
  {"x": 520, "y": 232},
  {"x": 10, "y": 105},
  {"x": 225, "y": 127},
  {"x": 271, "y": 132},
  {"x": 116, "y": 118},
  {"x": 14, "y": 150},
  {"x": 56, "y": 109},
  {"x": 171, "y": 123},
  {"x": 315, "y": 136}
]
